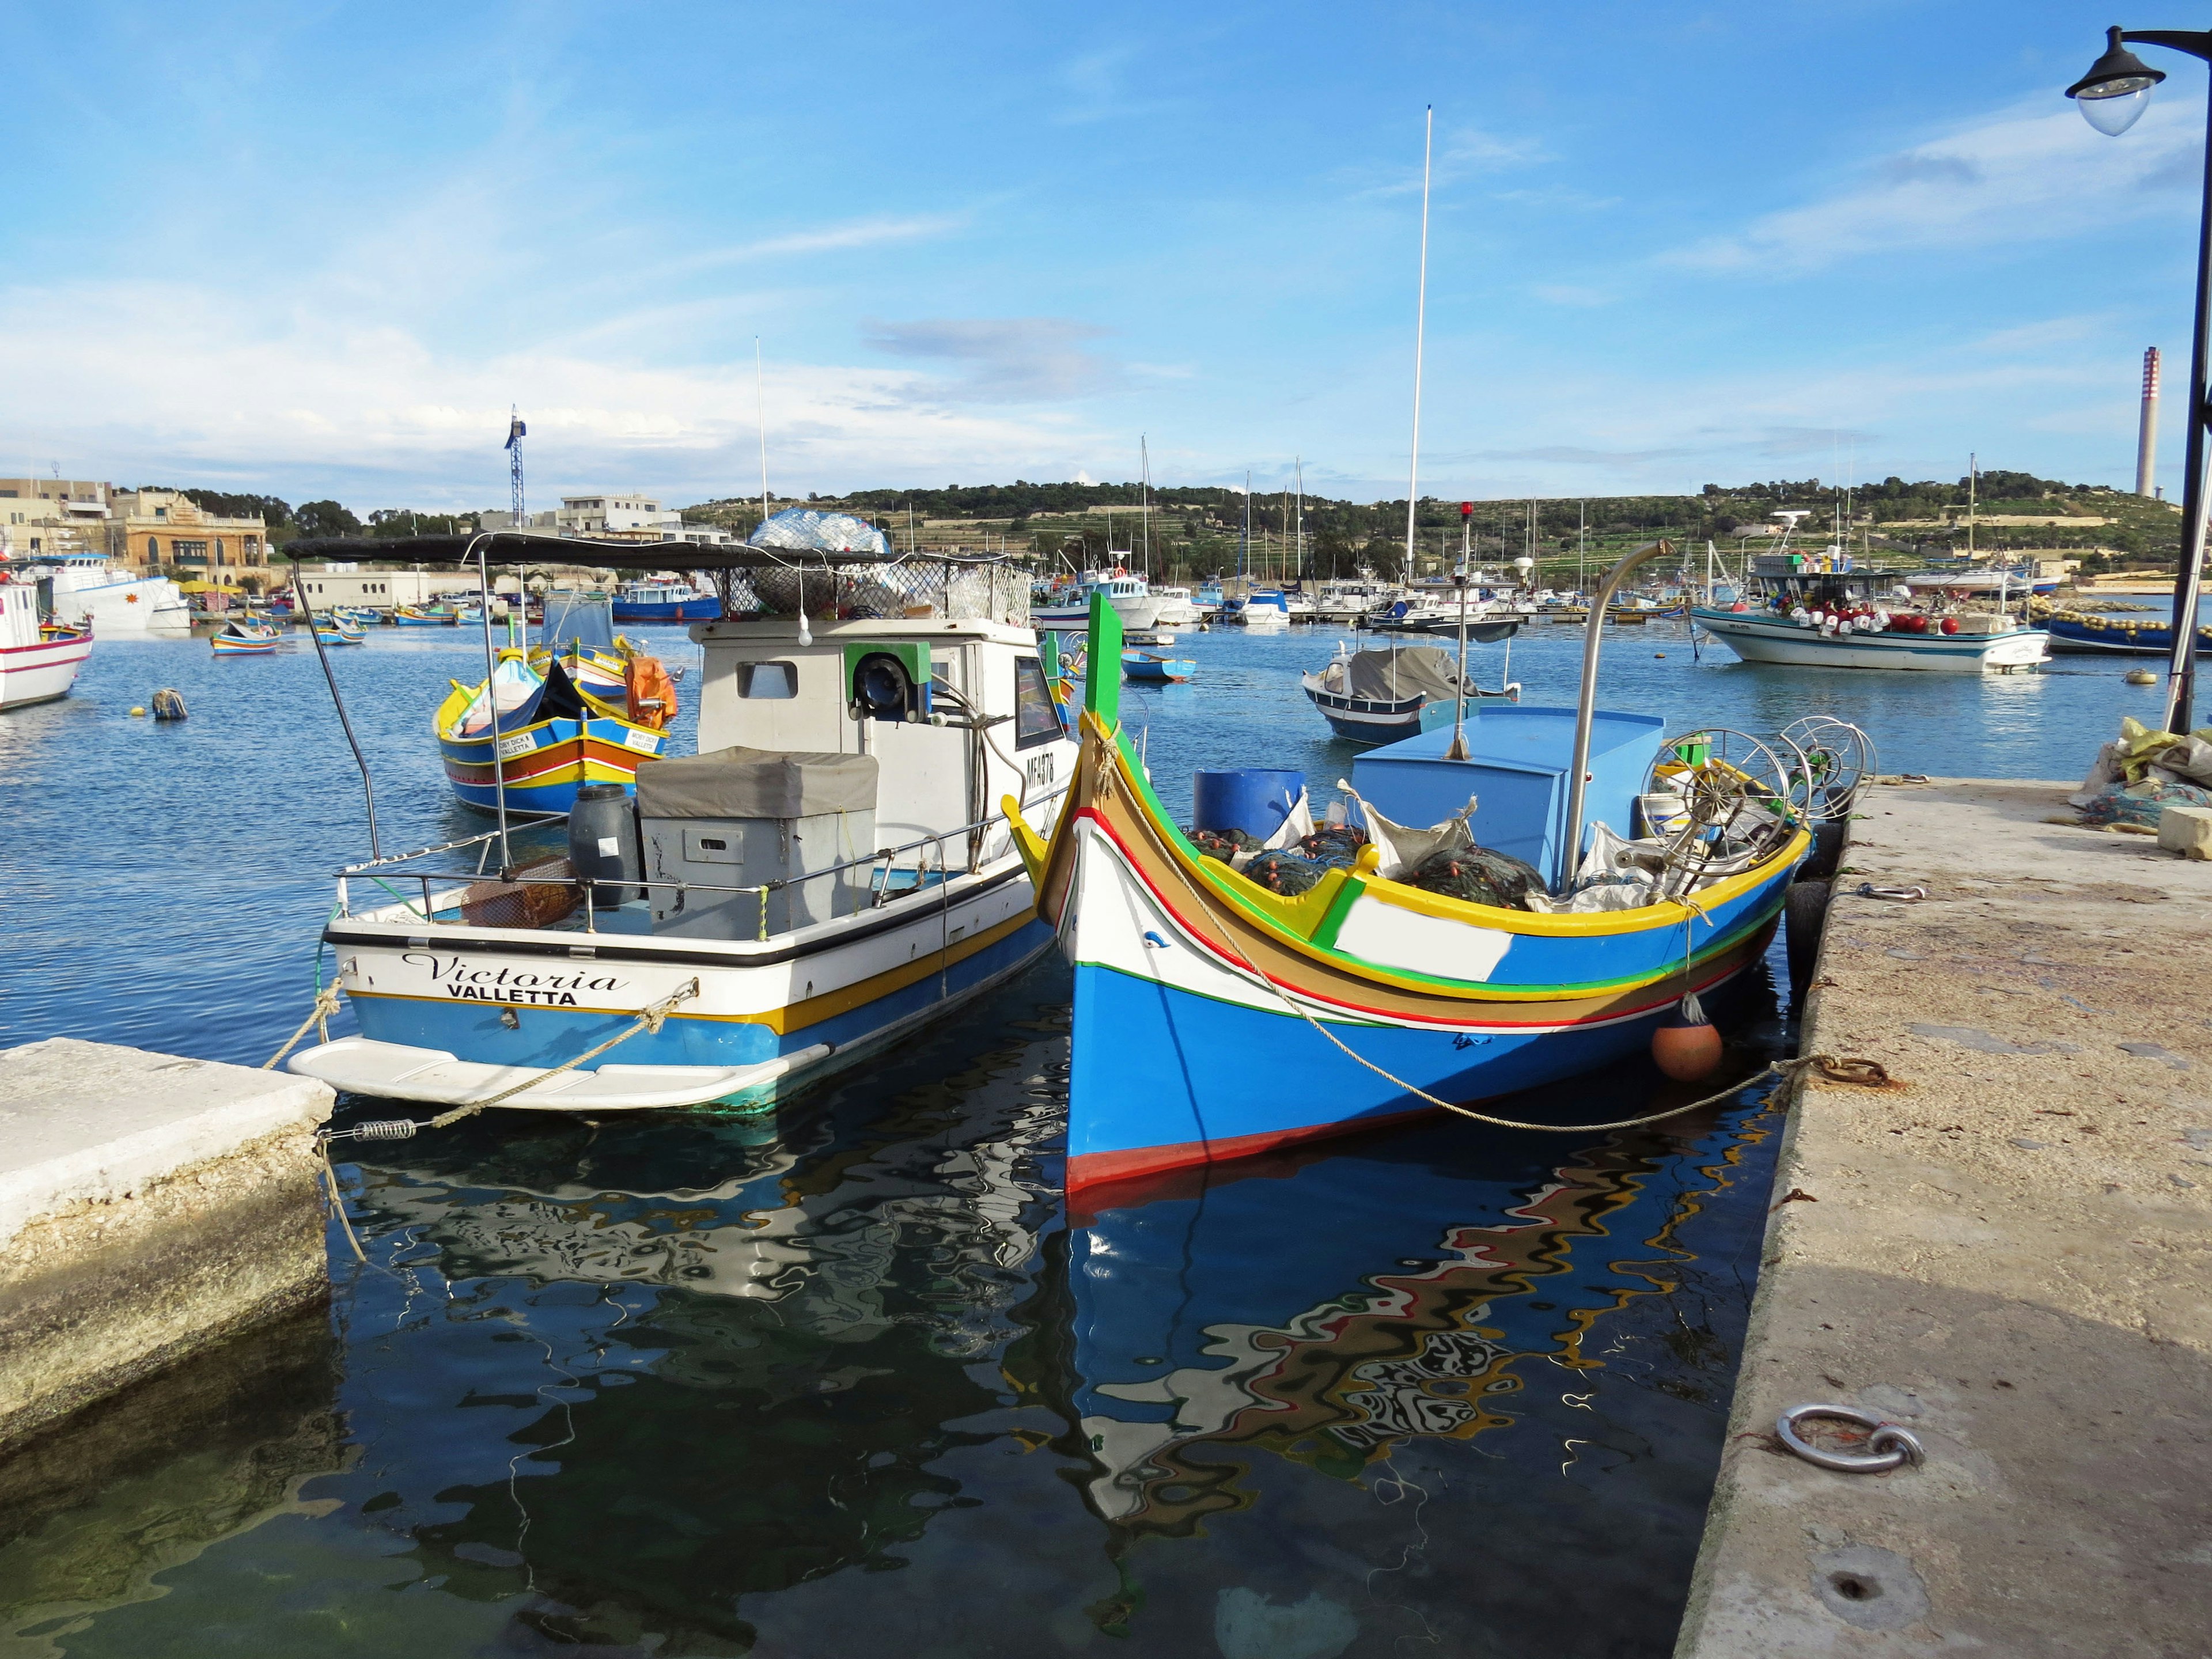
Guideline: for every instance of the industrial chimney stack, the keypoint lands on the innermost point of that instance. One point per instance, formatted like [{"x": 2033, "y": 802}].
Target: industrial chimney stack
[{"x": 2147, "y": 440}]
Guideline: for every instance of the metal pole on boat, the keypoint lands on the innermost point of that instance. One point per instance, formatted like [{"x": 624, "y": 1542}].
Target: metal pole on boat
[
  {"x": 368, "y": 789},
  {"x": 1457, "y": 749},
  {"x": 491, "y": 698},
  {"x": 1420, "y": 325},
  {"x": 1570, "y": 849}
]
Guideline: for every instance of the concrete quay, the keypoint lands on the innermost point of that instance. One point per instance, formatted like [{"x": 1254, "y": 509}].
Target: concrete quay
[
  {"x": 2007, "y": 1252},
  {"x": 150, "y": 1206}
]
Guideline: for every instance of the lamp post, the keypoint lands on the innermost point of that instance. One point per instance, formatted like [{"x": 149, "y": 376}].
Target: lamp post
[{"x": 2111, "y": 96}]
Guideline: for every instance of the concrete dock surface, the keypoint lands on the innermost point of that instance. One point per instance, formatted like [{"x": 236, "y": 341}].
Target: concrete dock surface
[
  {"x": 2007, "y": 1252},
  {"x": 150, "y": 1205}
]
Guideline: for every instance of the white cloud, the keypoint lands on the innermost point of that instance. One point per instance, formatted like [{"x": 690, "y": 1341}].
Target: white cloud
[
  {"x": 144, "y": 382},
  {"x": 1005, "y": 359},
  {"x": 2031, "y": 174}
]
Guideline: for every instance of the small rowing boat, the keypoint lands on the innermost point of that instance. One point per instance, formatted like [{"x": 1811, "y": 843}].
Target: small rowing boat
[
  {"x": 1149, "y": 668},
  {"x": 555, "y": 737}
]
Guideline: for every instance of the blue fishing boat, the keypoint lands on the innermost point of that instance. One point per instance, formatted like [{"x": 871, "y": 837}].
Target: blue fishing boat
[
  {"x": 1222, "y": 1012},
  {"x": 332, "y": 631},
  {"x": 411, "y": 615},
  {"x": 2089, "y": 634},
  {"x": 555, "y": 738},
  {"x": 664, "y": 599},
  {"x": 1147, "y": 668}
]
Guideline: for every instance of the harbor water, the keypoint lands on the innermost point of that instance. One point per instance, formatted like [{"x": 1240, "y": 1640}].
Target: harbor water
[{"x": 850, "y": 1376}]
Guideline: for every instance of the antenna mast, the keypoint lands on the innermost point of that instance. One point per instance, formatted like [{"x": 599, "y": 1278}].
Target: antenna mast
[
  {"x": 515, "y": 430},
  {"x": 760, "y": 406},
  {"x": 1420, "y": 323}
]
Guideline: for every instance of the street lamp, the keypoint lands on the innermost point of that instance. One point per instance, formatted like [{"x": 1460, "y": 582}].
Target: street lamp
[{"x": 2111, "y": 96}]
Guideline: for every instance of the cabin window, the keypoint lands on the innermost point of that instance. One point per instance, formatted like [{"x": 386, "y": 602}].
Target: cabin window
[
  {"x": 768, "y": 679},
  {"x": 1035, "y": 720}
]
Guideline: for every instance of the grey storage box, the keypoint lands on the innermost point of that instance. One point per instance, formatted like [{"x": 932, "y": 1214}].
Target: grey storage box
[{"x": 745, "y": 817}]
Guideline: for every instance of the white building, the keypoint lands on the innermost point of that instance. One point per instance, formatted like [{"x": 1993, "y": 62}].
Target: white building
[
  {"x": 351, "y": 586},
  {"x": 618, "y": 518}
]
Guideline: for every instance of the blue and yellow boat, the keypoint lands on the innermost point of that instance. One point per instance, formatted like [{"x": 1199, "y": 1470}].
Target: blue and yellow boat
[
  {"x": 554, "y": 737},
  {"x": 1215, "y": 1017}
]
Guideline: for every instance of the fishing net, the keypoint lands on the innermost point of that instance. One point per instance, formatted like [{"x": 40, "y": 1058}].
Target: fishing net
[
  {"x": 524, "y": 902},
  {"x": 1227, "y": 845},
  {"x": 2142, "y": 803},
  {"x": 1287, "y": 874},
  {"x": 1480, "y": 875},
  {"x": 1338, "y": 846}
]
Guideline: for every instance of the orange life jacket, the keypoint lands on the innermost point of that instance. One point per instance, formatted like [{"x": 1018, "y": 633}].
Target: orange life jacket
[{"x": 651, "y": 693}]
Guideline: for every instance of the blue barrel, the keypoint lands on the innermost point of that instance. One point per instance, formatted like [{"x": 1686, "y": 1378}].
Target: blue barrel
[{"x": 1253, "y": 798}]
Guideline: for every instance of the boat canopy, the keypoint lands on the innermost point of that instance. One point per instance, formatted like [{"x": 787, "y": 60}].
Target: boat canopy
[
  {"x": 1395, "y": 672},
  {"x": 576, "y": 617}
]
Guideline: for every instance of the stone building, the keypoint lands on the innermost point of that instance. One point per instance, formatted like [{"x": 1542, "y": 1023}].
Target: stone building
[{"x": 165, "y": 529}]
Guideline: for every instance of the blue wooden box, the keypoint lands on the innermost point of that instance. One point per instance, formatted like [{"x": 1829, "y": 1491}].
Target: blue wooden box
[{"x": 1518, "y": 770}]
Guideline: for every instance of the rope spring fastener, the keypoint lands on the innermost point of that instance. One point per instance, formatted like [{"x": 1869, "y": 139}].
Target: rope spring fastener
[{"x": 1888, "y": 1446}]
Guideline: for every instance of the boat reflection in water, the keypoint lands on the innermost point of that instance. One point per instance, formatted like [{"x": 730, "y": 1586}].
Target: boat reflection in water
[{"x": 684, "y": 1386}]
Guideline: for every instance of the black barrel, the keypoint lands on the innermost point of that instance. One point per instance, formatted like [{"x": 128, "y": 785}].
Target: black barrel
[{"x": 602, "y": 843}]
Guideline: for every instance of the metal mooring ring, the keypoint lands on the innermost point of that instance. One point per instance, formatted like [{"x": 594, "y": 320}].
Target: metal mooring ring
[{"x": 1887, "y": 1445}]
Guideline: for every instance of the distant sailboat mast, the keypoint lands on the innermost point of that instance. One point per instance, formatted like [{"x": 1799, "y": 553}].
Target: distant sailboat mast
[{"x": 1420, "y": 324}]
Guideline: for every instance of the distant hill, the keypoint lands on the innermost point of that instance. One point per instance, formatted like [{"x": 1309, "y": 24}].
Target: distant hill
[{"x": 1199, "y": 531}]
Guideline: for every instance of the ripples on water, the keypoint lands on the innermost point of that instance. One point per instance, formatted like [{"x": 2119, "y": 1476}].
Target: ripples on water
[{"x": 853, "y": 1380}]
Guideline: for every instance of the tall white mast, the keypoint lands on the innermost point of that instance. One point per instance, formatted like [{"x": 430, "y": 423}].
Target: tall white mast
[
  {"x": 1420, "y": 324},
  {"x": 760, "y": 406},
  {"x": 1145, "y": 500}
]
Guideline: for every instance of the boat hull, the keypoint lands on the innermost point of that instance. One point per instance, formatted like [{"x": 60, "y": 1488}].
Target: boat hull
[
  {"x": 2119, "y": 641},
  {"x": 225, "y": 645},
  {"x": 545, "y": 764},
  {"x": 39, "y": 673},
  {"x": 667, "y": 611},
  {"x": 1761, "y": 638},
  {"x": 793, "y": 1006}
]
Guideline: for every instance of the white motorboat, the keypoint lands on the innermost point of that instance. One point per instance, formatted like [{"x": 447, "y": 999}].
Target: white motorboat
[
  {"x": 1265, "y": 611},
  {"x": 1132, "y": 600},
  {"x": 1177, "y": 609},
  {"x": 114, "y": 601},
  {"x": 779, "y": 905}
]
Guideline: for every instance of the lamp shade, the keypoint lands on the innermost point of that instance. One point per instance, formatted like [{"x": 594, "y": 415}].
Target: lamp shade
[{"x": 2116, "y": 91}]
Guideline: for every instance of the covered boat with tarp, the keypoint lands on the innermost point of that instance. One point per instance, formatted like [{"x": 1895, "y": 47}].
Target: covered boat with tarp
[
  {"x": 1376, "y": 696},
  {"x": 1234, "y": 995}
]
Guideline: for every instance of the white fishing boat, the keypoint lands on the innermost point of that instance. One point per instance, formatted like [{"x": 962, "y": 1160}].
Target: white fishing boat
[
  {"x": 830, "y": 870},
  {"x": 1817, "y": 611},
  {"x": 39, "y": 657},
  {"x": 1177, "y": 609},
  {"x": 1132, "y": 597},
  {"x": 1265, "y": 610},
  {"x": 115, "y": 600}
]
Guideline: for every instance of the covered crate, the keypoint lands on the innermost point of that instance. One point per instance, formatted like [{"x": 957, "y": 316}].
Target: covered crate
[{"x": 768, "y": 819}]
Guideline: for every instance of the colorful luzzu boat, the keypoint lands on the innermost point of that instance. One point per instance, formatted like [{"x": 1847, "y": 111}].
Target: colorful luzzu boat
[
  {"x": 1215, "y": 1018},
  {"x": 242, "y": 639},
  {"x": 553, "y": 739}
]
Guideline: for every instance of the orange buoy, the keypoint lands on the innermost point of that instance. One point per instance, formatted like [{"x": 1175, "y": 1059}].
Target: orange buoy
[{"x": 1686, "y": 1047}]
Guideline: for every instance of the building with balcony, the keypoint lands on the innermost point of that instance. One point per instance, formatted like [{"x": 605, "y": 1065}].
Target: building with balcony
[{"x": 166, "y": 529}]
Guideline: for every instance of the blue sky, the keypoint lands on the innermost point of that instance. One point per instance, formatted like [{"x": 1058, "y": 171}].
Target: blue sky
[{"x": 319, "y": 249}]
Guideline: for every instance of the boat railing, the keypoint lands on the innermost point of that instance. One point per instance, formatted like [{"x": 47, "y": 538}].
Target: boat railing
[{"x": 447, "y": 906}]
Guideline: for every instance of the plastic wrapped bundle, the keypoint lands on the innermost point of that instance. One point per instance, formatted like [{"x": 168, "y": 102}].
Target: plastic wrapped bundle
[
  {"x": 1480, "y": 875},
  {"x": 803, "y": 529}
]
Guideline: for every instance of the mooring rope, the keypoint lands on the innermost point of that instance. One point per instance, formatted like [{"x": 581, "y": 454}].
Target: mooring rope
[{"x": 326, "y": 1004}]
